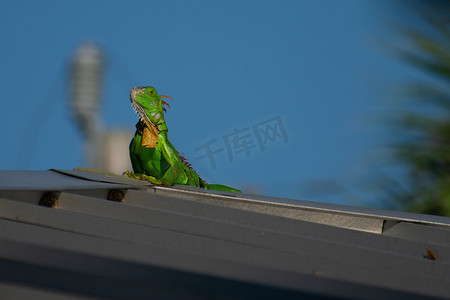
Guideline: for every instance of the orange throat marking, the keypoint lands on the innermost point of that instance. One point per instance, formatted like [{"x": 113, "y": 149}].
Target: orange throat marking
[{"x": 149, "y": 137}]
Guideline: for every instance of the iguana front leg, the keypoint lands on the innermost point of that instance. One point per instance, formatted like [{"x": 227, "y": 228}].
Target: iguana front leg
[
  {"x": 142, "y": 176},
  {"x": 149, "y": 163}
]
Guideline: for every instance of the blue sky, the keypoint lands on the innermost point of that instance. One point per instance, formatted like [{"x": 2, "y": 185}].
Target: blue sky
[{"x": 319, "y": 67}]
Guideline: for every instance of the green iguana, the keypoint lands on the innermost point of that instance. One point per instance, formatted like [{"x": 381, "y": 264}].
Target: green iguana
[{"x": 152, "y": 155}]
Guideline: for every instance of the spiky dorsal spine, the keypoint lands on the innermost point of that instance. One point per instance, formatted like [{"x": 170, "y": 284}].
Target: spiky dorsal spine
[{"x": 202, "y": 182}]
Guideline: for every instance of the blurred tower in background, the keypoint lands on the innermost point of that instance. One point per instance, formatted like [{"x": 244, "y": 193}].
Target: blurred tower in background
[
  {"x": 103, "y": 150},
  {"x": 86, "y": 74}
]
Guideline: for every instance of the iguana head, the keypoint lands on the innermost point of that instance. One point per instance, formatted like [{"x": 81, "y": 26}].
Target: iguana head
[{"x": 149, "y": 107}]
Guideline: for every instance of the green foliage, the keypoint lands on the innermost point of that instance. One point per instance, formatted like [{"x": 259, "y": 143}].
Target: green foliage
[{"x": 424, "y": 149}]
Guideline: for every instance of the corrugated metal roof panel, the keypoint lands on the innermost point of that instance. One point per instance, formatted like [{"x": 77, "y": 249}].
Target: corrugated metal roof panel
[
  {"x": 192, "y": 243},
  {"x": 48, "y": 180}
]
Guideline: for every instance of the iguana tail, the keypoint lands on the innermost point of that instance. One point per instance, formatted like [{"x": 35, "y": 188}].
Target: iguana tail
[{"x": 220, "y": 187}]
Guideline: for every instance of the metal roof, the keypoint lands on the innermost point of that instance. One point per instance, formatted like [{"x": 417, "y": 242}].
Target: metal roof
[{"x": 82, "y": 234}]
